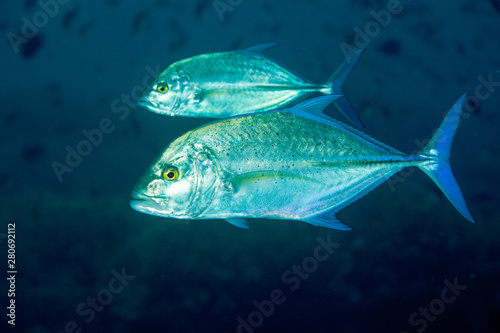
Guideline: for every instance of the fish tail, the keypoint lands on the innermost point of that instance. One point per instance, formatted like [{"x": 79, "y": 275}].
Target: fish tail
[
  {"x": 437, "y": 153},
  {"x": 335, "y": 83}
]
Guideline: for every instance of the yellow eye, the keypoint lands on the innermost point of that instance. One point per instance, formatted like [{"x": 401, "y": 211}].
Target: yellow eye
[
  {"x": 162, "y": 87},
  {"x": 171, "y": 173}
]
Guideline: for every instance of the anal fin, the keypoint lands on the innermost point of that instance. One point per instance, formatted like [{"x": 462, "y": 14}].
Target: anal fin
[
  {"x": 327, "y": 220},
  {"x": 238, "y": 222}
]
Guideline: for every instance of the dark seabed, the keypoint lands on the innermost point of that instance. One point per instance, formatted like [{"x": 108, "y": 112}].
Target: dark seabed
[{"x": 71, "y": 72}]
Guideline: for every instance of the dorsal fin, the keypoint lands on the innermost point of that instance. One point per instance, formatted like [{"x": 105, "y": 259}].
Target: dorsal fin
[
  {"x": 260, "y": 47},
  {"x": 313, "y": 109}
]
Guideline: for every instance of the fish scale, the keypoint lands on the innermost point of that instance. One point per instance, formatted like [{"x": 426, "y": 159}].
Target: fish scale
[
  {"x": 285, "y": 151},
  {"x": 317, "y": 142}
]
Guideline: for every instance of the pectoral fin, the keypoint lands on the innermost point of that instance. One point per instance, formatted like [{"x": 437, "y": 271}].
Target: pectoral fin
[{"x": 258, "y": 176}]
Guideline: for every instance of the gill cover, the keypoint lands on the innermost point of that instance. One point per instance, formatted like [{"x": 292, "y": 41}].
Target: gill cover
[
  {"x": 168, "y": 93},
  {"x": 180, "y": 183}
]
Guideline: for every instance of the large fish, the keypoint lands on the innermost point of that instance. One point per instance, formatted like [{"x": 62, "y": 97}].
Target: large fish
[
  {"x": 221, "y": 85},
  {"x": 293, "y": 164}
]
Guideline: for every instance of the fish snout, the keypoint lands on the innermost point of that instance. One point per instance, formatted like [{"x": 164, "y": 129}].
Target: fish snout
[
  {"x": 149, "y": 205},
  {"x": 146, "y": 102}
]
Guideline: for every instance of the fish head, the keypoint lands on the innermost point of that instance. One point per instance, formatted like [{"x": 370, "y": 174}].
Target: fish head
[
  {"x": 167, "y": 93},
  {"x": 181, "y": 183}
]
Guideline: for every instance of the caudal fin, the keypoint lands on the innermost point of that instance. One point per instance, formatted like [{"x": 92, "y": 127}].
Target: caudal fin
[
  {"x": 437, "y": 167},
  {"x": 335, "y": 83}
]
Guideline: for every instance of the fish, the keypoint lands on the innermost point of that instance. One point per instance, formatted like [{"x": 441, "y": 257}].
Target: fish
[
  {"x": 226, "y": 84},
  {"x": 290, "y": 164}
]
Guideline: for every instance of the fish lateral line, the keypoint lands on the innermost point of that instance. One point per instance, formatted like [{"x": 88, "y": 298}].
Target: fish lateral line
[
  {"x": 237, "y": 87},
  {"x": 404, "y": 160}
]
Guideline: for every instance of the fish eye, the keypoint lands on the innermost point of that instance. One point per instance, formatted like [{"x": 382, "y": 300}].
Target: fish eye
[
  {"x": 162, "y": 87},
  {"x": 170, "y": 173}
]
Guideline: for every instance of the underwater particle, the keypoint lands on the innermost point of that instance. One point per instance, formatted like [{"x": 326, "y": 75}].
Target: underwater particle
[
  {"x": 28, "y": 4},
  {"x": 201, "y": 10},
  {"x": 69, "y": 17},
  {"x": 57, "y": 101},
  {"x": 473, "y": 106},
  {"x": 10, "y": 118},
  {"x": 95, "y": 192},
  {"x": 482, "y": 197},
  {"x": 268, "y": 28},
  {"x": 267, "y": 7},
  {"x": 462, "y": 79},
  {"x": 180, "y": 41},
  {"x": 53, "y": 90},
  {"x": 53, "y": 87},
  {"x": 461, "y": 50},
  {"x": 496, "y": 5},
  {"x": 3, "y": 180},
  {"x": 33, "y": 153},
  {"x": 390, "y": 46},
  {"x": 367, "y": 3},
  {"x": 84, "y": 29},
  {"x": 139, "y": 22},
  {"x": 30, "y": 48},
  {"x": 136, "y": 127}
]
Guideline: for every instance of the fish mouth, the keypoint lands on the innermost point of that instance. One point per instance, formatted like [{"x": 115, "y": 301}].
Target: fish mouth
[
  {"x": 146, "y": 103},
  {"x": 152, "y": 106},
  {"x": 139, "y": 196},
  {"x": 148, "y": 205}
]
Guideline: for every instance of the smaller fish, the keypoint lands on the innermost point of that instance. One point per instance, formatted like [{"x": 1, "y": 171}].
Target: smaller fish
[{"x": 226, "y": 84}]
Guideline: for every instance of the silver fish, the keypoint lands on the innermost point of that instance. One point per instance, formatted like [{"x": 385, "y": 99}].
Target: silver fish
[
  {"x": 221, "y": 85},
  {"x": 294, "y": 164}
]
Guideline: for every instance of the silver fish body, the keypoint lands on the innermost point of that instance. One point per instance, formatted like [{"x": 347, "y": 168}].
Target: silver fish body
[
  {"x": 221, "y": 85},
  {"x": 293, "y": 164}
]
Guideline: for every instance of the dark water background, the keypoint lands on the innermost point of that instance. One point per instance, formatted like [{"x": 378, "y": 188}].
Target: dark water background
[{"x": 75, "y": 234}]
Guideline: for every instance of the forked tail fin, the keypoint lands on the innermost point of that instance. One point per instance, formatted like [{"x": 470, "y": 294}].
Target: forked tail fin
[
  {"x": 437, "y": 165},
  {"x": 335, "y": 83}
]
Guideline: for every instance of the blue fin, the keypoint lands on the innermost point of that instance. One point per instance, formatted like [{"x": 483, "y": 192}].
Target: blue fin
[
  {"x": 327, "y": 220},
  {"x": 336, "y": 81},
  {"x": 260, "y": 48},
  {"x": 316, "y": 105},
  {"x": 437, "y": 167},
  {"x": 240, "y": 223}
]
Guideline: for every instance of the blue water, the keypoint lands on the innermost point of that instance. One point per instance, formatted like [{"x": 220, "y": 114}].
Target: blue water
[{"x": 87, "y": 262}]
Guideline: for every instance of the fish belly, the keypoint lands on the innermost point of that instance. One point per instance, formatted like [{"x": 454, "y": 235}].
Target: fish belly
[{"x": 298, "y": 199}]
